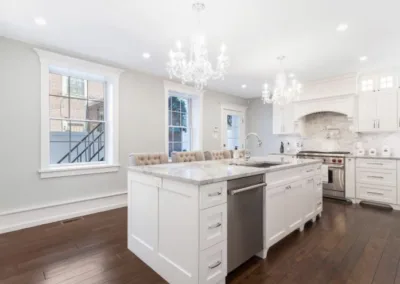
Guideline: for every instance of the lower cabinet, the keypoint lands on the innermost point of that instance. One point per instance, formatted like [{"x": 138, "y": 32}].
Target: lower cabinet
[
  {"x": 294, "y": 193},
  {"x": 275, "y": 215}
]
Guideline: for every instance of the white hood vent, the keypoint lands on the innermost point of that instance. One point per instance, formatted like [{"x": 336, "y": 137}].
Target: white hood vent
[{"x": 344, "y": 104}]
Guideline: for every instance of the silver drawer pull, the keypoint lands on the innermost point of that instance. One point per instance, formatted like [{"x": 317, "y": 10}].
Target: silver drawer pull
[
  {"x": 374, "y": 193},
  {"x": 319, "y": 184},
  {"x": 212, "y": 266},
  {"x": 310, "y": 180},
  {"x": 375, "y": 177},
  {"x": 309, "y": 171},
  {"x": 289, "y": 187},
  {"x": 214, "y": 194},
  {"x": 215, "y": 226},
  {"x": 319, "y": 203}
]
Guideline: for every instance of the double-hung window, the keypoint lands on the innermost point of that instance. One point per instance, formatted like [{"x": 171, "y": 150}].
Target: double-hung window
[
  {"x": 79, "y": 101},
  {"x": 179, "y": 123}
]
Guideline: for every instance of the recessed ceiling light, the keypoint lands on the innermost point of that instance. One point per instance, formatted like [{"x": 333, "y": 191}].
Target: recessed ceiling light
[
  {"x": 342, "y": 27},
  {"x": 40, "y": 21},
  {"x": 291, "y": 75},
  {"x": 244, "y": 86},
  {"x": 363, "y": 58},
  {"x": 146, "y": 55}
]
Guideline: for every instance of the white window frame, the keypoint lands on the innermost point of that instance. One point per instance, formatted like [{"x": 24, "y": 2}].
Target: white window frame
[
  {"x": 78, "y": 67},
  {"x": 196, "y": 97}
]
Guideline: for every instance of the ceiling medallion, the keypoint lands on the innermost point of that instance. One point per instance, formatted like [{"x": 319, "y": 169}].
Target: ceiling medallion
[
  {"x": 284, "y": 92},
  {"x": 196, "y": 70}
]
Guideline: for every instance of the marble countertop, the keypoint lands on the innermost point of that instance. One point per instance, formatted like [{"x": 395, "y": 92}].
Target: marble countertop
[{"x": 207, "y": 172}]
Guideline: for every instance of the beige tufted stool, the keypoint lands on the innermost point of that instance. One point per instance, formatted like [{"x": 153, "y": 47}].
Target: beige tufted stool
[
  {"x": 217, "y": 155},
  {"x": 184, "y": 157},
  {"x": 144, "y": 159}
]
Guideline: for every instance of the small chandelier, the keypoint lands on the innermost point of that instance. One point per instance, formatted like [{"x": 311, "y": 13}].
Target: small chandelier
[
  {"x": 197, "y": 69},
  {"x": 284, "y": 92}
]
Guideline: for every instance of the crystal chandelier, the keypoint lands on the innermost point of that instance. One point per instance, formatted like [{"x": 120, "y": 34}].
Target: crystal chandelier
[
  {"x": 284, "y": 92},
  {"x": 197, "y": 69}
]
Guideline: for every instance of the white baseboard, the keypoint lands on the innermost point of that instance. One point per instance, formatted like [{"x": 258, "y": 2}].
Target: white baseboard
[{"x": 31, "y": 217}]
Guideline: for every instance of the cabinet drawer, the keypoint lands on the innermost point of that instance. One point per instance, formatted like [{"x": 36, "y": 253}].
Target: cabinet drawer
[
  {"x": 384, "y": 194},
  {"x": 376, "y": 177},
  {"x": 376, "y": 164},
  {"x": 213, "y": 194},
  {"x": 213, "y": 226},
  {"x": 213, "y": 264},
  {"x": 309, "y": 171}
]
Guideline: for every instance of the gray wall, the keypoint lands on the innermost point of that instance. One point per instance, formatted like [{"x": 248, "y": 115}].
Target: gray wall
[
  {"x": 259, "y": 120},
  {"x": 141, "y": 117}
]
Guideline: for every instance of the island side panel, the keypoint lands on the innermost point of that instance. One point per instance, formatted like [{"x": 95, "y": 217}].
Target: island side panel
[{"x": 143, "y": 216}]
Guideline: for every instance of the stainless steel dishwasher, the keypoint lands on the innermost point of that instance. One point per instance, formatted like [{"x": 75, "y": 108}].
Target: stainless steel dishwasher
[{"x": 245, "y": 219}]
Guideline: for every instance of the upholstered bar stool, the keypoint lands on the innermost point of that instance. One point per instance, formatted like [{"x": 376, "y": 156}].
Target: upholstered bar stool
[
  {"x": 217, "y": 155},
  {"x": 184, "y": 157},
  {"x": 145, "y": 159}
]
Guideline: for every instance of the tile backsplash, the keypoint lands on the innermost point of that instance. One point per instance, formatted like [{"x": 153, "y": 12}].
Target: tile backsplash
[{"x": 328, "y": 131}]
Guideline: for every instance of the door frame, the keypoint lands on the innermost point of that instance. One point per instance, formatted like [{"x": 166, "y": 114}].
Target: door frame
[{"x": 231, "y": 107}]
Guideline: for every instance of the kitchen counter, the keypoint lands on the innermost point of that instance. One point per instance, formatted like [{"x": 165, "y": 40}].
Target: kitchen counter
[{"x": 207, "y": 172}]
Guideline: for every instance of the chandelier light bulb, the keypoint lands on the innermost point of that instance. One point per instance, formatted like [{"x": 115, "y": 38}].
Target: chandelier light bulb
[
  {"x": 223, "y": 48},
  {"x": 179, "y": 44}
]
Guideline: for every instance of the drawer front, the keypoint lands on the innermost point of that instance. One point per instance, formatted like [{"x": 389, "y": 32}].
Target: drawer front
[
  {"x": 213, "y": 264},
  {"x": 213, "y": 194},
  {"x": 213, "y": 226},
  {"x": 377, "y": 177},
  {"x": 376, "y": 164},
  {"x": 384, "y": 194},
  {"x": 309, "y": 171}
]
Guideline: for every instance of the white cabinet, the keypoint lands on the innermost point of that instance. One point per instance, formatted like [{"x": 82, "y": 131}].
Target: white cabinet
[
  {"x": 213, "y": 264},
  {"x": 398, "y": 109},
  {"x": 283, "y": 119},
  {"x": 309, "y": 199},
  {"x": 275, "y": 215},
  {"x": 398, "y": 184},
  {"x": 297, "y": 198},
  {"x": 350, "y": 178},
  {"x": 378, "y": 103}
]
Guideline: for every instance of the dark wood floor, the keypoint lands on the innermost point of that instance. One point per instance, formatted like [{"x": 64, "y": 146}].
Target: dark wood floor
[{"x": 348, "y": 244}]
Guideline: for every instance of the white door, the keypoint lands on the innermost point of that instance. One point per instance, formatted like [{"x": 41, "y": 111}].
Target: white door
[
  {"x": 275, "y": 214},
  {"x": 294, "y": 205},
  {"x": 309, "y": 199},
  {"x": 367, "y": 111},
  {"x": 387, "y": 110},
  {"x": 233, "y": 129}
]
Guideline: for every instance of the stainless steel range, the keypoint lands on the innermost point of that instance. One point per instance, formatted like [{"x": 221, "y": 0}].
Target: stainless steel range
[{"x": 334, "y": 187}]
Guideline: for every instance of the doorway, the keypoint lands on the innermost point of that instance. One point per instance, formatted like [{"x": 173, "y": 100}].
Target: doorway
[{"x": 233, "y": 127}]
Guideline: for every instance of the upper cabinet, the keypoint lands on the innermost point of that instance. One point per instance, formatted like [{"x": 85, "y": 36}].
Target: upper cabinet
[
  {"x": 378, "y": 103},
  {"x": 283, "y": 119}
]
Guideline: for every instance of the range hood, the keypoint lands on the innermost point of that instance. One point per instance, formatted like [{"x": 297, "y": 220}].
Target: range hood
[{"x": 343, "y": 104}]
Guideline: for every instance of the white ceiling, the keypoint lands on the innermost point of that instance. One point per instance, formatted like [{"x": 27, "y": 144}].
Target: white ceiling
[{"x": 255, "y": 32}]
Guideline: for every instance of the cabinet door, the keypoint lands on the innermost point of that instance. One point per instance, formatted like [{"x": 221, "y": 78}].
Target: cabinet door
[
  {"x": 350, "y": 178},
  {"x": 288, "y": 119},
  {"x": 275, "y": 214},
  {"x": 367, "y": 111},
  {"x": 277, "y": 119},
  {"x": 398, "y": 109},
  {"x": 387, "y": 110},
  {"x": 309, "y": 199},
  {"x": 294, "y": 205}
]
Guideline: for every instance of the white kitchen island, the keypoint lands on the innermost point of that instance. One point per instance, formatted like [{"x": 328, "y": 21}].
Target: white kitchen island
[{"x": 177, "y": 213}]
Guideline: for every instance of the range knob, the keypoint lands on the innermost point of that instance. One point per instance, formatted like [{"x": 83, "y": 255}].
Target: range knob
[
  {"x": 340, "y": 161},
  {"x": 333, "y": 160}
]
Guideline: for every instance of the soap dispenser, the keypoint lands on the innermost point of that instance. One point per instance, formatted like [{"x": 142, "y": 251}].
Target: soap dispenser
[{"x": 282, "y": 150}]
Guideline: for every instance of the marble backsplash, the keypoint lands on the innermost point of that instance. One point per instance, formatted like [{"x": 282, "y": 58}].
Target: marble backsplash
[{"x": 328, "y": 131}]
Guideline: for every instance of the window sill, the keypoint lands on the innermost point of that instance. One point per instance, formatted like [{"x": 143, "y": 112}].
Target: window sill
[{"x": 77, "y": 170}]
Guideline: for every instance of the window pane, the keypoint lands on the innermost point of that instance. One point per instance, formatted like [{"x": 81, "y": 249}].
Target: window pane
[
  {"x": 184, "y": 105},
  {"x": 78, "y": 109},
  {"x": 170, "y": 134},
  {"x": 58, "y": 107},
  {"x": 177, "y": 134},
  {"x": 170, "y": 148},
  {"x": 178, "y": 147},
  {"x": 95, "y": 90},
  {"x": 77, "y": 87},
  {"x": 169, "y": 103},
  {"x": 169, "y": 117},
  {"x": 184, "y": 119},
  {"x": 95, "y": 110},
  {"x": 175, "y": 104},
  {"x": 176, "y": 118},
  {"x": 58, "y": 85},
  {"x": 59, "y": 141}
]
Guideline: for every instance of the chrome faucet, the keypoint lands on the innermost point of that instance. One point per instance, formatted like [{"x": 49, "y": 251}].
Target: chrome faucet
[{"x": 247, "y": 152}]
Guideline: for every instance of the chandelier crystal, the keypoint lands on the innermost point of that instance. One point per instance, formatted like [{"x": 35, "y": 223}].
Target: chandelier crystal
[
  {"x": 197, "y": 69},
  {"x": 286, "y": 89}
]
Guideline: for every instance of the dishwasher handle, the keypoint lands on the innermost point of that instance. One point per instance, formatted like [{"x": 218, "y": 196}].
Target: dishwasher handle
[{"x": 236, "y": 191}]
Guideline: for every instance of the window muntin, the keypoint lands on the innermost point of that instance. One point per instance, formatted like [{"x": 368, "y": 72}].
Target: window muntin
[
  {"x": 179, "y": 124},
  {"x": 386, "y": 82},
  {"x": 77, "y": 120}
]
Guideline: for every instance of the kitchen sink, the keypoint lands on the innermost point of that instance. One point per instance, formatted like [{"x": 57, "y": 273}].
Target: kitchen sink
[{"x": 258, "y": 165}]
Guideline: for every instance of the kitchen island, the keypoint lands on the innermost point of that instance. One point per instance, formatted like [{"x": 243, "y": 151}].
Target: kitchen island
[{"x": 178, "y": 213}]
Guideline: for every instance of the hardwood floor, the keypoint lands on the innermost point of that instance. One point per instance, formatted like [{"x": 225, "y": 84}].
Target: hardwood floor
[{"x": 348, "y": 244}]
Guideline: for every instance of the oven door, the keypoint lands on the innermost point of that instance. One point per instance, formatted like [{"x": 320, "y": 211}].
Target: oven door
[{"x": 335, "y": 185}]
